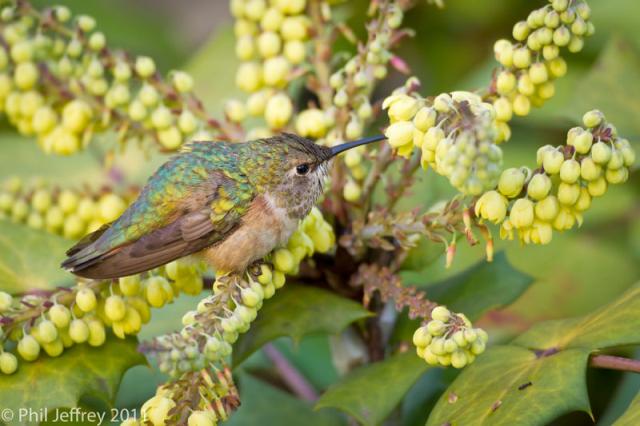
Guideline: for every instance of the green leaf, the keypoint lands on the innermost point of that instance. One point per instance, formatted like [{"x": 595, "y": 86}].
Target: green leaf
[
  {"x": 615, "y": 324},
  {"x": 482, "y": 287},
  {"x": 263, "y": 404},
  {"x": 509, "y": 385},
  {"x": 30, "y": 258},
  {"x": 82, "y": 370},
  {"x": 371, "y": 392},
  {"x": 612, "y": 86},
  {"x": 552, "y": 356},
  {"x": 631, "y": 417},
  {"x": 296, "y": 311}
]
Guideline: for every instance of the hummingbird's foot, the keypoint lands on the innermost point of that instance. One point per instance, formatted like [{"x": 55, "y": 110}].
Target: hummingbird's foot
[{"x": 226, "y": 282}]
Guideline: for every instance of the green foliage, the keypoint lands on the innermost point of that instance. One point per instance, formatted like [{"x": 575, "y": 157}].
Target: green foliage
[
  {"x": 29, "y": 258},
  {"x": 371, "y": 392},
  {"x": 541, "y": 375},
  {"x": 264, "y": 405},
  {"x": 632, "y": 415},
  {"x": 617, "y": 89},
  {"x": 482, "y": 287},
  {"x": 511, "y": 385},
  {"x": 615, "y": 324},
  {"x": 296, "y": 312},
  {"x": 61, "y": 382}
]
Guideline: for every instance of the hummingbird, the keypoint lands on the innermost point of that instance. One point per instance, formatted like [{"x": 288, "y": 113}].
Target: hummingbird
[{"x": 231, "y": 202}]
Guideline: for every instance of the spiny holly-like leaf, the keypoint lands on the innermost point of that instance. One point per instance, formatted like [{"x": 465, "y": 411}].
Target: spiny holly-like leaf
[
  {"x": 296, "y": 311},
  {"x": 484, "y": 286},
  {"x": 30, "y": 258},
  {"x": 615, "y": 324},
  {"x": 263, "y": 404},
  {"x": 542, "y": 374},
  {"x": 371, "y": 392},
  {"x": 631, "y": 417},
  {"x": 60, "y": 382},
  {"x": 509, "y": 385}
]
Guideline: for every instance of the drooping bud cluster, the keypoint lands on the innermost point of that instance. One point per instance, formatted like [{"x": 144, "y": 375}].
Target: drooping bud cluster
[
  {"x": 352, "y": 85},
  {"x": 531, "y": 63},
  {"x": 448, "y": 339},
  {"x": 210, "y": 329},
  {"x": 457, "y": 134},
  {"x": 61, "y": 83},
  {"x": 215, "y": 399},
  {"x": 66, "y": 212},
  {"x": 271, "y": 42},
  {"x": 52, "y": 321},
  {"x": 568, "y": 177}
]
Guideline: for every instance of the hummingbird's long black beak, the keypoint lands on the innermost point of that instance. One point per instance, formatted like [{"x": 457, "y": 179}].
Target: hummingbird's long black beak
[{"x": 348, "y": 145}]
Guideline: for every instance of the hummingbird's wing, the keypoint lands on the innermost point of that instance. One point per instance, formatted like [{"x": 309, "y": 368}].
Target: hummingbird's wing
[{"x": 190, "y": 203}]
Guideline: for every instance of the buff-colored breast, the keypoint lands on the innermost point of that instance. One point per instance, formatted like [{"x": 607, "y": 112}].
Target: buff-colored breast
[{"x": 264, "y": 227}]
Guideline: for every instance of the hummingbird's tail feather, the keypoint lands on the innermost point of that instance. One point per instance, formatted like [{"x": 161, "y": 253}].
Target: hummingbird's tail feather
[
  {"x": 124, "y": 260},
  {"x": 93, "y": 258},
  {"x": 87, "y": 240}
]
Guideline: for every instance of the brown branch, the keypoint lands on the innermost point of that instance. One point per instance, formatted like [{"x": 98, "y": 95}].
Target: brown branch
[
  {"x": 290, "y": 375},
  {"x": 615, "y": 363}
]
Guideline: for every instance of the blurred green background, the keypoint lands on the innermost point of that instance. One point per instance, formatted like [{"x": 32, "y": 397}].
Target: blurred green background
[{"x": 452, "y": 50}]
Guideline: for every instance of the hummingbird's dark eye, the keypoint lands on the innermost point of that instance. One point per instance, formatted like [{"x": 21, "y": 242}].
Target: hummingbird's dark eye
[{"x": 302, "y": 169}]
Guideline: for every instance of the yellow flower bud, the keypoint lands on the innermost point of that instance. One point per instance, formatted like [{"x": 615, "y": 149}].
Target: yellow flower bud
[
  {"x": 539, "y": 186},
  {"x": 145, "y": 66},
  {"x": 521, "y": 105},
  {"x": 249, "y": 77},
  {"x": 278, "y": 111},
  {"x": 235, "y": 110},
  {"x": 522, "y": 213},
  {"x": 170, "y": 138},
  {"x": 269, "y": 44},
  {"x": 257, "y": 102},
  {"x": 352, "y": 191},
  {"x": 245, "y": 48},
  {"x": 76, "y": 115},
  {"x": 111, "y": 207},
  {"x": 312, "y": 123},
  {"x": 275, "y": 71},
  {"x": 511, "y": 182},
  {"x": 400, "y": 133},
  {"x": 547, "y": 208},
  {"x": 597, "y": 187},
  {"x": 272, "y": 19},
  {"x": 505, "y": 82},
  {"x": 294, "y": 28},
  {"x": 295, "y": 51},
  {"x": 589, "y": 170},
  {"x": 403, "y": 108},
  {"x": 568, "y": 193},
  {"x": 425, "y": 118},
  {"x": 491, "y": 206}
]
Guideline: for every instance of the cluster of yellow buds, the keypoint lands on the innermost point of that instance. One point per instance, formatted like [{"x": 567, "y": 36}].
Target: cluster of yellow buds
[
  {"x": 61, "y": 83},
  {"x": 448, "y": 339},
  {"x": 352, "y": 86},
  {"x": 215, "y": 399},
  {"x": 51, "y": 322},
  {"x": 531, "y": 63},
  {"x": 215, "y": 324},
  {"x": 270, "y": 42},
  {"x": 456, "y": 132},
  {"x": 66, "y": 212},
  {"x": 568, "y": 177}
]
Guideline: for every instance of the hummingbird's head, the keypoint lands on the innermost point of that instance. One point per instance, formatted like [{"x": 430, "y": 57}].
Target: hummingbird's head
[{"x": 303, "y": 170}]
